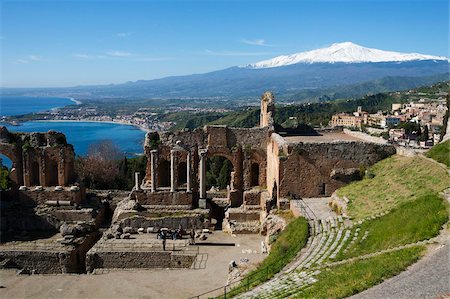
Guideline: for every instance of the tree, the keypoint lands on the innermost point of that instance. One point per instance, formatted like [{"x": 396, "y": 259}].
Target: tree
[{"x": 100, "y": 168}]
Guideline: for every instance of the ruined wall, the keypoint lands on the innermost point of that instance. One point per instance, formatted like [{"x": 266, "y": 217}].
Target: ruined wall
[
  {"x": 307, "y": 169},
  {"x": 48, "y": 257},
  {"x": 276, "y": 149},
  {"x": 49, "y": 194},
  {"x": 163, "y": 198},
  {"x": 244, "y": 147},
  {"x": 131, "y": 259},
  {"x": 43, "y": 159},
  {"x": 172, "y": 222}
]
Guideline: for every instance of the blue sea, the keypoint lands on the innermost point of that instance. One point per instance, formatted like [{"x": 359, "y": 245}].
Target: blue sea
[
  {"x": 16, "y": 105},
  {"x": 81, "y": 135}
]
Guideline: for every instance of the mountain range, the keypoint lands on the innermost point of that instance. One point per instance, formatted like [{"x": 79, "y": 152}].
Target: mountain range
[{"x": 341, "y": 70}]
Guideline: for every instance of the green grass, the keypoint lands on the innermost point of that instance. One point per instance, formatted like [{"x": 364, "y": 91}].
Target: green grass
[
  {"x": 440, "y": 152},
  {"x": 283, "y": 250},
  {"x": 410, "y": 222},
  {"x": 397, "y": 180},
  {"x": 345, "y": 280}
]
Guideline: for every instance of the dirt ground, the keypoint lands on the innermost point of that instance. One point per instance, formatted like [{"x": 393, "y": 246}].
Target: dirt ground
[{"x": 211, "y": 271}]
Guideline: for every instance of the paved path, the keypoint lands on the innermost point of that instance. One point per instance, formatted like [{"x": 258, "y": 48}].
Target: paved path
[{"x": 428, "y": 278}]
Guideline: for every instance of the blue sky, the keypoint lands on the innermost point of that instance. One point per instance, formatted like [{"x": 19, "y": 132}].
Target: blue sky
[{"x": 66, "y": 43}]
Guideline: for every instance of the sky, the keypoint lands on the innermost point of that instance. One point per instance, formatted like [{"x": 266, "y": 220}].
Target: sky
[{"x": 68, "y": 43}]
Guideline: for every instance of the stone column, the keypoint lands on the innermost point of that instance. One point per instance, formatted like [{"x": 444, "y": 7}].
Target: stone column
[
  {"x": 188, "y": 172},
  {"x": 136, "y": 181},
  {"x": 153, "y": 167},
  {"x": 202, "y": 202},
  {"x": 172, "y": 170}
]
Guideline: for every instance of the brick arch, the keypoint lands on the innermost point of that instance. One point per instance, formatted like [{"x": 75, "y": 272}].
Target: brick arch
[
  {"x": 14, "y": 153},
  {"x": 226, "y": 153}
]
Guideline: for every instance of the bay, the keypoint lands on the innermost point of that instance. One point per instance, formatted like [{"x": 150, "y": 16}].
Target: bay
[
  {"x": 17, "y": 105},
  {"x": 81, "y": 134}
]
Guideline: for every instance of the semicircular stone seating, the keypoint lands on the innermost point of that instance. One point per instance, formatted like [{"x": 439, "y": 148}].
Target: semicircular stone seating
[{"x": 328, "y": 238}]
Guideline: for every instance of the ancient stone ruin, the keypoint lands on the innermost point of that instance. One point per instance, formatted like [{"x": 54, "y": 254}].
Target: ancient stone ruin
[{"x": 269, "y": 165}]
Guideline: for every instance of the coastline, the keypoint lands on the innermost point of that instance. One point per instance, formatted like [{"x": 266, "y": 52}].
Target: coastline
[{"x": 94, "y": 121}]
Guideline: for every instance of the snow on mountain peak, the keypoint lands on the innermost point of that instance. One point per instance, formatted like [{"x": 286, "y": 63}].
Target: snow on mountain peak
[{"x": 346, "y": 52}]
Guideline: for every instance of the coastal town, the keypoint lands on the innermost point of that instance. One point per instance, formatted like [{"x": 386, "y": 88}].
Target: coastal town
[{"x": 415, "y": 123}]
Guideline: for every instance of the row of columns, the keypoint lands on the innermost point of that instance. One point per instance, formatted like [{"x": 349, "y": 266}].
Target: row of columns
[{"x": 173, "y": 162}]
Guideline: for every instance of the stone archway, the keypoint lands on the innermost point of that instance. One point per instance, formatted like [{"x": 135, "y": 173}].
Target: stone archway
[
  {"x": 164, "y": 173},
  {"x": 254, "y": 174},
  {"x": 182, "y": 173},
  {"x": 219, "y": 170},
  {"x": 34, "y": 174}
]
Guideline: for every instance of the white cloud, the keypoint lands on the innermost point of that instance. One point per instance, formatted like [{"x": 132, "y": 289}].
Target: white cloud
[
  {"x": 124, "y": 34},
  {"x": 21, "y": 61},
  {"x": 84, "y": 56},
  {"x": 115, "y": 53},
  {"x": 256, "y": 42},
  {"x": 149, "y": 59},
  {"x": 231, "y": 53},
  {"x": 35, "y": 57},
  {"x": 29, "y": 59}
]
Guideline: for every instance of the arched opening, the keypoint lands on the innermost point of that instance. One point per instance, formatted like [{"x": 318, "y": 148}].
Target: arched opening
[
  {"x": 5, "y": 169},
  {"x": 182, "y": 173},
  {"x": 52, "y": 174},
  {"x": 164, "y": 173},
  {"x": 254, "y": 175},
  {"x": 218, "y": 173},
  {"x": 34, "y": 174}
]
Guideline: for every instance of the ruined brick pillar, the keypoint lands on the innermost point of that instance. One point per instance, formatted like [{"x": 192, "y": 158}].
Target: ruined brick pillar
[{"x": 267, "y": 110}]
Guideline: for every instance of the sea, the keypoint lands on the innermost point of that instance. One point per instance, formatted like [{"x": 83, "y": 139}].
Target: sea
[{"x": 81, "y": 134}]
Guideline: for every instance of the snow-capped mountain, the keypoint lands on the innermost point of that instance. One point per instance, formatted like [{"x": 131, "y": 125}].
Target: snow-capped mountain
[
  {"x": 342, "y": 52},
  {"x": 342, "y": 70}
]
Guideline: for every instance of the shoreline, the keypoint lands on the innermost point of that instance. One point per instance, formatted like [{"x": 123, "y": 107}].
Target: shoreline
[{"x": 91, "y": 121}]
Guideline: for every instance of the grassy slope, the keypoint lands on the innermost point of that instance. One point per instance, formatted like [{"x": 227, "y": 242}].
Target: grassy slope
[
  {"x": 397, "y": 180},
  {"x": 408, "y": 223},
  {"x": 441, "y": 153},
  {"x": 348, "y": 279},
  {"x": 407, "y": 187}
]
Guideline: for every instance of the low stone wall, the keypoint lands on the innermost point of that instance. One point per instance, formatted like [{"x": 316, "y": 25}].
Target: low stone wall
[
  {"x": 43, "y": 257},
  {"x": 242, "y": 215},
  {"x": 138, "y": 221},
  {"x": 35, "y": 197},
  {"x": 163, "y": 198},
  {"x": 41, "y": 262},
  {"x": 252, "y": 197},
  {"x": 129, "y": 259}
]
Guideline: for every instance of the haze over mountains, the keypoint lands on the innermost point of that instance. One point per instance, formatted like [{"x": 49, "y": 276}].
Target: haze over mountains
[{"x": 341, "y": 70}]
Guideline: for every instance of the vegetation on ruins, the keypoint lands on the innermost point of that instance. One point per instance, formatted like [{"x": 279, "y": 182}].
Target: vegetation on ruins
[
  {"x": 5, "y": 181},
  {"x": 440, "y": 152},
  {"x": 396, "y": 180},
  {"x": 105, "y": 167},
  {"x": 218, "y": 171}
]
